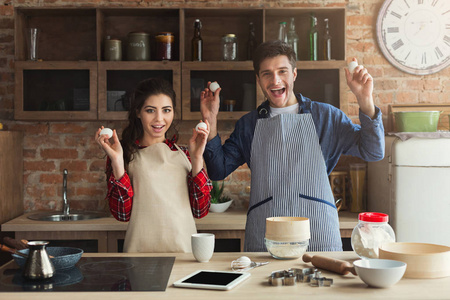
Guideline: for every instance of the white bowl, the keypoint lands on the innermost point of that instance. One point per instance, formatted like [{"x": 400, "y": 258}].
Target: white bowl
[
  {"x": 380, "y": 273},
  {"x": 220, "y": 207}
]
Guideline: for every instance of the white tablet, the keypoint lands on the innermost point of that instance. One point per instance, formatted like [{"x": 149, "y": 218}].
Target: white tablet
[{"x": 215, "y": 280}]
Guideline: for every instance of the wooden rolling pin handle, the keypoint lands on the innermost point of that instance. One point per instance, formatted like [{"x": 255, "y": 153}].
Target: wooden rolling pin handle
[{"x": 330, "y": 264}]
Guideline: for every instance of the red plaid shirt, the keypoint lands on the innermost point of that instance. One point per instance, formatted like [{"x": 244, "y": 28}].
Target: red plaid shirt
[{"x": 120, "y": 192}]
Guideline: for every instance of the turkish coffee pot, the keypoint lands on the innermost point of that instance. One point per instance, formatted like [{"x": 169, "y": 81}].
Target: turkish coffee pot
[{"x": 38, "y": 264}]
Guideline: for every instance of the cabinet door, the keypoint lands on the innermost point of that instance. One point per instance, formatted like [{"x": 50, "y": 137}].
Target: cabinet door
[
  {"x": 302, "y": 17},
  {"x": 117, "y": 81},
  {"x": 117, "y": 23},
  {"x": 322, "y": 81},
  {"x": 56, "y": 91},
  {"x": 236, "y": 79},
  {"x": 218, "y": 22},
  {"x": 67, "y": 34}
]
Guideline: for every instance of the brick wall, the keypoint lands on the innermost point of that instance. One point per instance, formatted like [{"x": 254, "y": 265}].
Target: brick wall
[{"x": 51, "y": 147}]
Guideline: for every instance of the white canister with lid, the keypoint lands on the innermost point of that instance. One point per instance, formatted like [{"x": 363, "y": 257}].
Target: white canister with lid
[{"x": 371, "y": 233}]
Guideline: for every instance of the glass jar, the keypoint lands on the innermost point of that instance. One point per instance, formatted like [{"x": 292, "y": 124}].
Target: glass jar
[
  {"x": 164, "y": 46},
  {"x": 229, "y": 47},
  {"x": 371, "y": 233}
]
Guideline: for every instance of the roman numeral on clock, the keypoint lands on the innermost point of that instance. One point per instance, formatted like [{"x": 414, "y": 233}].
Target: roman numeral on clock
[
  {"x": 424, "y": 58},
  {"x": 392, "y": 30},
  {"x": 438, "y": 52},
  {"x": 397, "y": 44},
  {"x": 434, "y": 2},
  {"x": 447, "y": 40},
  {"x": 420, "y": 2},
  {"x": 396, "y": 14},
  {"x": 406, "y": 3}
]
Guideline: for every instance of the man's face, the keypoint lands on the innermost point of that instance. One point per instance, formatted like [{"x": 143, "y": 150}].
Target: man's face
[{"x": 276, "y": 79}]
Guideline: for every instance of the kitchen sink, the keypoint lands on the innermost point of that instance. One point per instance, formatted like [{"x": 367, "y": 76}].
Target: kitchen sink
[{"x": 73, "y": 216}]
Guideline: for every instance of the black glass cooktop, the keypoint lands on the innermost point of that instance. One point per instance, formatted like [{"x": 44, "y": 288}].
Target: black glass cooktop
[{"x": 96, "y": 274}]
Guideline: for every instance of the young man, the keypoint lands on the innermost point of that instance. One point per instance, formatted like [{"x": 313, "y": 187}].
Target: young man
[{"x": 291, "y": 144}]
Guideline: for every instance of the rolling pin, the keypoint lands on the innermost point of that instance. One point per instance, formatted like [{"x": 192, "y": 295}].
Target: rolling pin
[{"x": 330, "y": 264}]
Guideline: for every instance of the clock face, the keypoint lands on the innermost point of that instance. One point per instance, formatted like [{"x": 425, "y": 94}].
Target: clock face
[{"x": 414, "y": 35}]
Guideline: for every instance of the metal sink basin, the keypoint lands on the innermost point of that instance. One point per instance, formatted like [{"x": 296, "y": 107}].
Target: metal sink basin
[{"x": 73, "y": 216}]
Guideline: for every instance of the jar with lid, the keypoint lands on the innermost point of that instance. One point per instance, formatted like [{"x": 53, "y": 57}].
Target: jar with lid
[
  {"x": 371, "y": 233},
  {"x": 138, "y": 46},
  {"x": 113, "y": 49},
  {"x": 164, "y": 46},
  {"x": 229, "y": 47}
]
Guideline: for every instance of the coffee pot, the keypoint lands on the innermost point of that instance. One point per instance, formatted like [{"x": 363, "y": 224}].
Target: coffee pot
[{"x": 38, "y": 264}]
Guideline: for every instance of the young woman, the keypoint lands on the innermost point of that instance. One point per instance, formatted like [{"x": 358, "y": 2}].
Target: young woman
[{"x": 153, "y": 183}]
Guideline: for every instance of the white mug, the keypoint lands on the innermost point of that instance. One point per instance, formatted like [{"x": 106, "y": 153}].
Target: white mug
[{"x": 202, "y": 246}]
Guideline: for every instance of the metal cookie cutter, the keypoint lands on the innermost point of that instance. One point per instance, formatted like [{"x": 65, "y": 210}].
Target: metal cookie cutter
[
  {"x": 276, "y": 278},
  {"x": 318, "y": 280}
]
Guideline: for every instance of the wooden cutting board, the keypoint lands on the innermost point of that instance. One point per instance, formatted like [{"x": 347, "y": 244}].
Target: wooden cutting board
[{"x": 443, "y": 119}]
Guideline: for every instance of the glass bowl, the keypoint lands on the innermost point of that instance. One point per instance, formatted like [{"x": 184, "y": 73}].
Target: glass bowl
[{"x": 286, "y": 250}]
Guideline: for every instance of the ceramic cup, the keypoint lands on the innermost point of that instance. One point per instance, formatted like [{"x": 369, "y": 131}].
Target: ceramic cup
[{"x": 202, "y": 246}]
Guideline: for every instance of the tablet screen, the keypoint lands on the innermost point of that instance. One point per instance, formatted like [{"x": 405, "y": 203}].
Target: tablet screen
[
  {"x": 208, "y": 279},
  {"x": 215, "y": 278}
]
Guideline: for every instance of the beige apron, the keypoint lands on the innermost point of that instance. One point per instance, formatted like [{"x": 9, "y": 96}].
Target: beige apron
[{"x": 161, "y": 218}]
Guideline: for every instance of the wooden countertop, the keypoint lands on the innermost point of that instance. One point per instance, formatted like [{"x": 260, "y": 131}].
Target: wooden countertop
[
  {"x": 257, "y": 287},
  {"x": 229, "y": 220}
]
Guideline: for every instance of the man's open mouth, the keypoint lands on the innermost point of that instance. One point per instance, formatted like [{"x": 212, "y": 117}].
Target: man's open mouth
[{"x": 278, "y": 91}]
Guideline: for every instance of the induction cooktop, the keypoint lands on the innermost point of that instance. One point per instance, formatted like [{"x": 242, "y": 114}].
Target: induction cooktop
[{"x": 96, "y": 274}]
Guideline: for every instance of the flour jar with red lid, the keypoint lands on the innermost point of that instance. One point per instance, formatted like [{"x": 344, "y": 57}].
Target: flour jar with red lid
[{"x": 371, "y": 233}]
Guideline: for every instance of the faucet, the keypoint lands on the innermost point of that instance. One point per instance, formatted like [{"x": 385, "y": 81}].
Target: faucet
[{"x": 66, "y": 207}]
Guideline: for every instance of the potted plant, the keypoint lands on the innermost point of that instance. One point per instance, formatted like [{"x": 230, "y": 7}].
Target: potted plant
[{"x": 219, "y": 203}]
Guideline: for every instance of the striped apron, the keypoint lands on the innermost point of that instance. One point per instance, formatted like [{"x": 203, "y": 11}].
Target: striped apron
[{"x": 289, "y": 178}]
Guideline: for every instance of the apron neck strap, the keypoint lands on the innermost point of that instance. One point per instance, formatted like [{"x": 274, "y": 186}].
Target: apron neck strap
[{"x": 264, "y": 108}]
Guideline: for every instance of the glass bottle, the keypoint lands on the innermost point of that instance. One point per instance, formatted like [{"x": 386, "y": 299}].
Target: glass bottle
[
  {"x": 251, "y": 43},
  {"x": 282, "y": 35},
  {"x": 197, "y": 42},
  {"x": 292, "y": 37},
  {"x": 313, "y": 34},
  {"x": 327, "y": 42}
]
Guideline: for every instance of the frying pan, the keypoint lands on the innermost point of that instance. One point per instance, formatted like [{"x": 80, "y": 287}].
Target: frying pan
[{"x": 64, "y": 257}]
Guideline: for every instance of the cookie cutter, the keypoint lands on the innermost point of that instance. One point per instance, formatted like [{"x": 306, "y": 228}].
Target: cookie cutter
[
  {"x": 317, "y": 280},
  {"x": 292, "y": 276}
]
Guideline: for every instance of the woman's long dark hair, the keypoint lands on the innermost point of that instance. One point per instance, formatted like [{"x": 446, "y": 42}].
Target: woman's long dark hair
[{"x": 134, "y": 131}]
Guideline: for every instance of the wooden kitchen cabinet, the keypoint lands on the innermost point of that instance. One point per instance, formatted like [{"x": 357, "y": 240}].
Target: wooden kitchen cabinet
[{"x": 71, "y": 45}]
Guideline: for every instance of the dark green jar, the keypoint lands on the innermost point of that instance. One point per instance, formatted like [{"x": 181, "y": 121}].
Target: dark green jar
[
  {"x": 138, "y": 46},
  {"x": 113, "y": 50}
]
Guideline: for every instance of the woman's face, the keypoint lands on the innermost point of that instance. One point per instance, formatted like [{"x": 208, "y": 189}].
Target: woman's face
[{"x": 156, "y": 117}]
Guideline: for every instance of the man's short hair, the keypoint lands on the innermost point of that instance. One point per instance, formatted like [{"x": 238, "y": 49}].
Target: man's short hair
[{"x": 273, "y": 49}]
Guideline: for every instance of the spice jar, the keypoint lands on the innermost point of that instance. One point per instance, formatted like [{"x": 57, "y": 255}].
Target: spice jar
[
  {"x": 138, "y": 46},
  {"x": 371, "y": 233},
  {"x": 113, "y": 50},
  {"x": 229, "y": 47},
  {"x": 164, "y": 46}
]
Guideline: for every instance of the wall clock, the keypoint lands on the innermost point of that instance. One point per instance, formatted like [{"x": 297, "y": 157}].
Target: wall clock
[{"x": 414, "y": 35}]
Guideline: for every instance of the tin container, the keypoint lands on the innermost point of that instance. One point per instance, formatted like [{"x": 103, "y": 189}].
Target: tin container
[
  {"x": 138, "y": 46},
  {"x": 164, "y": 46},
  {"x": 113, "y": 50}
]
